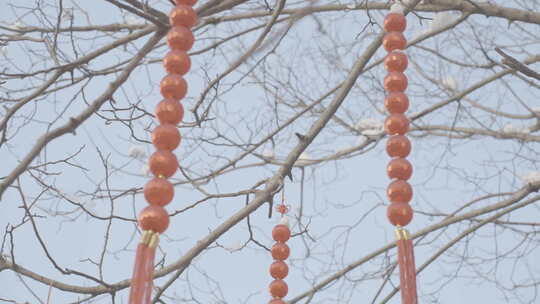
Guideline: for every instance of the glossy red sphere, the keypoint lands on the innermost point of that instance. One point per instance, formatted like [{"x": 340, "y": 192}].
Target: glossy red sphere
[
  {"x": 399, "y": 191},
  {"x": 280, "y": 251},
  {"x": 279, "y": 270},
  {"x": 394, "y": 41},
  {"x": 399, "y": 168},
  {"x": 166, "y": 137},
  {"x": 186, "y": 2},
  {"x": 154, "y": 218},
  {"x": 281, "y": 233},
  {"x": 399, "y": 214},
  {"x": 180, "y": 38},
  {"x": 396, "y": 61},
  {"x": 278, "y": 288},
  {"x": 396, "y": 124},
  {"x": 170, "y": 111},
  {"x": 163, "y": 163},
  {"x": 177, "y": 62},
  {"x": 396, "y": 102},
  {"x": 395, "y": 22},
  {"x": 183, "y": 15},
  {"x": 395, "y": 82},
  {"x": 173, "y": 86},
  {"x": 158, "y": 191},
  {"x": 398, "y": 146}
]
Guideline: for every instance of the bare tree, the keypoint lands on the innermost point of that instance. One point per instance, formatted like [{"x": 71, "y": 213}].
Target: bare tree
[{"x": 283, "y": 96}]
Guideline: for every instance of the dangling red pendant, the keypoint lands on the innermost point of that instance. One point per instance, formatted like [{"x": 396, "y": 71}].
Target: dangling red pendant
[{"x": 280, "y": 252}]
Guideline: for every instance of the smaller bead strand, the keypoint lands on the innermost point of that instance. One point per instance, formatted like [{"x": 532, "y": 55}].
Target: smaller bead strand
[{"x": 280, "y": 252}]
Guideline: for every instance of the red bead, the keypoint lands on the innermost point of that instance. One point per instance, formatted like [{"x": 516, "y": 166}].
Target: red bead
[
  {"x": 396, "y": 62},
  {"x": 158, "y": 191},
  {"x": 399, "y": 214},
  {"x": 399, "y": 191},
  {"x": 169, "y": 111},
  {"x": 395, "y": 22},
  {"x": 183, "y": 15},
  {"x": 399, "y": 168},
  {"x": 281, "y": 233},
  {"x": 166, "y": 137},
  {"x": 163, "y": 163},
  {"x": 396, "y": 124},
  {"x": 278, "y": 288},
  {"x": 393, "y": 41},
  {"x": 180, "y": 38},
  {"x": 186, "y": 2},
  {"x": 280, "y": 251},
  {"x": 177, "y": 62},
  {"x": 396, "y": 102},
  {"x": 154, "y": 218},
  {"x": 276, "y": 301},
  {"x": 173, "y": 86},
  {"x": 395, "y": 82},
  {"x": 279, "y": 270},
  {"x": 398, "y": 146}
]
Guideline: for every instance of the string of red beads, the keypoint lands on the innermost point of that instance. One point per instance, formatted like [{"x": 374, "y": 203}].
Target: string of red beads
[
  {"x": 169, "y": 112},
  {"x": 398, "y": 147},
  {"x": 163, "y": 164},
  {"x": 280, "y": 252}
]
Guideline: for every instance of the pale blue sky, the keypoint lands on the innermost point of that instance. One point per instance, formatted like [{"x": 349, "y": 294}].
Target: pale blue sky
[{"x": 339, "y": 194}]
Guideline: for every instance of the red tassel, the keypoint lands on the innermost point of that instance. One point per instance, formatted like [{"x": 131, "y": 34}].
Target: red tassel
[
  {"x": 403, "y": 271},
  {"x": 137, "y": 280},
  {"x": 411, "y": 272},
  {"x": 149, "y": 274},
  {"x": 407, "y": 272}
]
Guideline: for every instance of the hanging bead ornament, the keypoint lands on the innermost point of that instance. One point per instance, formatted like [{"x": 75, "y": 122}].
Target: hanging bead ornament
[
  {"x": 280, "y": 252},
  {"x": 158, "y": 192},
  {"x": 398, "y": 147}
]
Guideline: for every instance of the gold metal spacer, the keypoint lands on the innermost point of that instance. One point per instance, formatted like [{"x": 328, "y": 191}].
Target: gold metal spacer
[
  {"x": 146, "y": 236},
  {"x": 401, "y": 233},
  {"x": 398, "y": 234},
  {"x": 154, "y": 240}
]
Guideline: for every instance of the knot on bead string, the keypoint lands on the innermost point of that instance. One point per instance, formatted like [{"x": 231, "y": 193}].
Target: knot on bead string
[{"x": 283, "y": 209}]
